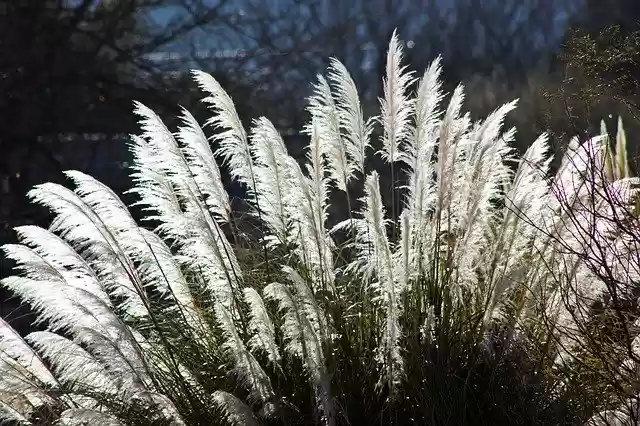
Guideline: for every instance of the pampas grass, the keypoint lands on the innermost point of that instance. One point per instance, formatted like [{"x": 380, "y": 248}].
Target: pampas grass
[{"x": 458, "y": 304}]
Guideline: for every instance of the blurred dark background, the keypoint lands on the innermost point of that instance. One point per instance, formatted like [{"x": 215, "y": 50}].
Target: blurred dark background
[{"x": 70, "y": 69}]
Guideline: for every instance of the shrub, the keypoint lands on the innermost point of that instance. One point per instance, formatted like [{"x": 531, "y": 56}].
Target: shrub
[{"x": 455, "y": 297}]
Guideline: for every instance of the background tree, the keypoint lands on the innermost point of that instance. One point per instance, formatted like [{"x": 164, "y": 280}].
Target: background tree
[
  {"x": 597, "y": 73},
  {"x": 597, "y": 15}
]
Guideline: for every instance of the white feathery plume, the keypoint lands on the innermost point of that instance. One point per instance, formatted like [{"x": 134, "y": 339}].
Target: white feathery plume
[
  {"x": 164, "y": 156},
  {"x": 207, "y": 251},
  {"x": 303, "y": 341},
  {"x": 451, "y": 127},
  {"x": 230, "y": 136},
  {"x": 418, "y": 155},
  {"x": 157, "y": 197},
  {"x": 105, "y": 204},
  {"x": 386, "y": 284},
  {"x": 25, "y": 382},
  {"x": 422, "y": 141},
  {"x": 610, "y": 165},
  {"x": 89, "y": 320},
  {"x": 164, "y": 145},
  {"x": 316, "y": 167},
  {"x": 581, "y": 164},
  {"x": 275, "y": 186},
  {"x": 307, "y": 302},
  {"x": 246, "y": 366},
  {"x": 120, "y": 351},
  {"x": 90, "y": 236},
  {"x": 33, "y": 266},
  {"x": 373, "y": 254},
  {"x": 622, "y": 161},
  {"x": 380, "y": 268},
  {"x": 168, "y": 158},
  {"x": 118, "y": 222},
  {"x": 236, "y": 412},
  {"x": 201, "y": 242},
  {"x": 84, "y": 416},
  {"x": 203, "y": 166},
  {"x": 479, "y": 165},
  {"x": 305, "y": 207},
  {"x": 160, "y": 408},
  {"x": 52, "y": 256},
  {"x": 325, "y": 120},
  {"x": 13, "y": 346},
  {"x": 526, "y": 196},
  {"x": 356, "y": 130},
  {"x": 160, "y": 270},
  {"x": 264, "y": 337},
  {"x": 404, "y": 256},
  {"x": 396, "y": 106},
  {"x": 480, "y": 173},
  {"x": 525, "y": 202},
  {"x": 313, "y": 243},
  {"x": 76, "y": 368},
  {"x": 158, "y": 266}
]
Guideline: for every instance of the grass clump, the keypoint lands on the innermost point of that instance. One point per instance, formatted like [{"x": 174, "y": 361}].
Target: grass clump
[{"x": 463, "y": 294}]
